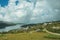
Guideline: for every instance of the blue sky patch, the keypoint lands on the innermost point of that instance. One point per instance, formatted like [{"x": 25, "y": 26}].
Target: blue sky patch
[
  {"x": 17, "y": 2},
  {"x": 4, "y": 3}
]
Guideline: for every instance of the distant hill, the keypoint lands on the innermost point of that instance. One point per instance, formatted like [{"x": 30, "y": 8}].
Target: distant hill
[{"x": 5, "y": 24}]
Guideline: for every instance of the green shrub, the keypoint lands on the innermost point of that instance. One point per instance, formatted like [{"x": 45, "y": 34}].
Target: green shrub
[{"x": 50, "y": 36}]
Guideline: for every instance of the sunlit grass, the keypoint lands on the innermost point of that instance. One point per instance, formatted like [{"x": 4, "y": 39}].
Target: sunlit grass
[
  {"x": 27, "y": 36},
  {"x": 31, "y": 33}
]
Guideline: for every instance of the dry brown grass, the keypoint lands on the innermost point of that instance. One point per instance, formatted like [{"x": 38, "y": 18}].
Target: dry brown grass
[{"x": 26, "y": 36}]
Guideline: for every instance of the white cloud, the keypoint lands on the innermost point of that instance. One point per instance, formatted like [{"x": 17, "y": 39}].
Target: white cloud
[
  {"x": 1, "y": 17},
  {"x": 56, "y": 10},
  {"x": 19, "y": 13},
  {"x": 33, "y": 18},
  {"x": 20, "y": 6},
  {"x": 42, "y": 12},
  {"x": 7, "y": 18}
]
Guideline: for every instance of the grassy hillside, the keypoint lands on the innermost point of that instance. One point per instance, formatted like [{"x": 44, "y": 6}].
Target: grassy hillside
[
  {"x": 28, "y": 36},
  {"x": 33, "y": 32}
]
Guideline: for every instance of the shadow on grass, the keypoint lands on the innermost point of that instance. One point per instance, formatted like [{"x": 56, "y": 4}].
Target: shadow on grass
[
  {"x": 50, "y": 36},
  {"x": 1, "y": 35}
]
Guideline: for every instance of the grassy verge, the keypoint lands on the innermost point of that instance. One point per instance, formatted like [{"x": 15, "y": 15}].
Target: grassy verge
[{"x": 29, "y": 36}]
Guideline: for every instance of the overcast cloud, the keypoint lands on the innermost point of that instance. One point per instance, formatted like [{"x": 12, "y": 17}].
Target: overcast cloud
[{"x": 30, "y": 11}]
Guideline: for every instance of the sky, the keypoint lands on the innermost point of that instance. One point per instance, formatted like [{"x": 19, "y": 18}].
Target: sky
[
  {"x": 3, "y": 3},
  {"x": 29, "y": 11}
]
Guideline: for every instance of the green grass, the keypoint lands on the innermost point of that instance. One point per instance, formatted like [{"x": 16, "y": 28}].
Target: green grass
[
  {"x": 28, "y": 36},
  {"x": 50, "y": 36},
  {"x": 23, "y": 35}
]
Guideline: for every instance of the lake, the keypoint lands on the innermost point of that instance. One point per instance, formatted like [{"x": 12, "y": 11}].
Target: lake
[{"x": 8, "y": 28}]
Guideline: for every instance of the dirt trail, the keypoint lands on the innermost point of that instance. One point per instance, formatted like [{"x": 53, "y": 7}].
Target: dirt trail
[{"x": 51, "y": 32}]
